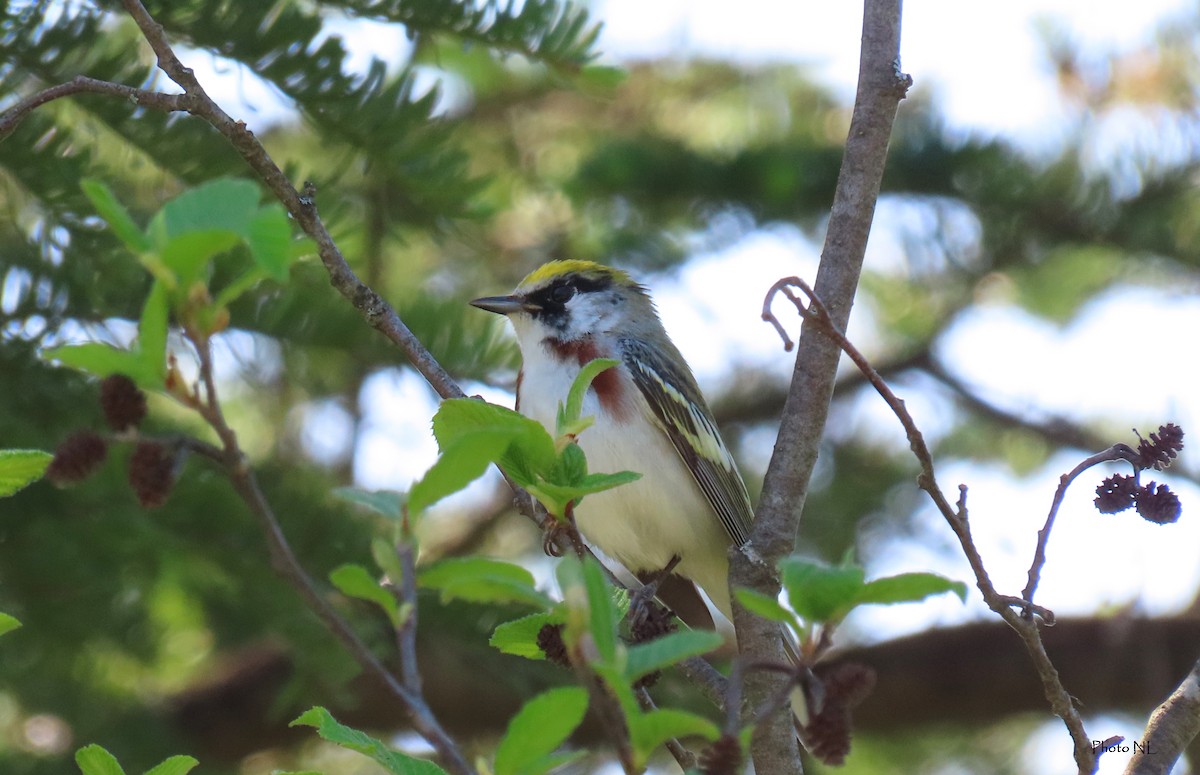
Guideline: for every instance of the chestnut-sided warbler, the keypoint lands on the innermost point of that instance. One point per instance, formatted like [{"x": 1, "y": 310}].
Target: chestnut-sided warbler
[{"x": 649, "y": 415}]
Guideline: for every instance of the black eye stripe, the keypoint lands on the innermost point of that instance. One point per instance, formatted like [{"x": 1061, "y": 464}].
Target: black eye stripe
[{"x": 554, "y": 297}]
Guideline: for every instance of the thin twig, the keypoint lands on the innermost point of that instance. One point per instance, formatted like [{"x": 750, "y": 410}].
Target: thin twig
[
  {"x": 406, "y": 633},
  {"x": 81, "y": 84},
  {"x": 1113, "y": 453},
  {"x": 1061, "y": 702},
  {"x": 285, "y": 562}
]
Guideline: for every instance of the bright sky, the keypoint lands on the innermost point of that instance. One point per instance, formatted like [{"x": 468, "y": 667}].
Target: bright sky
[{"x": 983, "y": 63}]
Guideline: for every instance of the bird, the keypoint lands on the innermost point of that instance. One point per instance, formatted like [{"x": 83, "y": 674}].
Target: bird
[{"x": 690, "y": 504}]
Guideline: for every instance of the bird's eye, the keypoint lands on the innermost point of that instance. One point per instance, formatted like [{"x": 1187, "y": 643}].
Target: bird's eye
[{"x": 562, "y": 294}]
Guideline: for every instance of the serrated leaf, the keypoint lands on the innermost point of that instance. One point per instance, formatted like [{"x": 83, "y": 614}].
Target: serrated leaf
[
  {"x": 555, "y": 496},
  {"x": 384, "y": 502},
  {"x": 462, "y": 461},
  {"x": 115, "y": 215},
  {"x": 269, "y": 235},
  {"x": 482, "y": 580},
  {"x": 539, "y": 727},
  {"x": 571, "y": 467},
  {"x": 94, "y": 760},
  {"x": 8, "y": 623},
  {"x": 354, "y": 581},
  {"x": 532, "y": 450},
  {"x": 908, "y": 588},
  {"x": 394, "y": 762},
  {"x": 519, "y": 637},
  {"x": 764, "y": 606},
  {"x": 176, "y": 765},
  {"x": 667, "y": 650},
  {"x": 820, "y": 593},
  {"x": 21, "y": 467},
  {"x": 647, "y": 731}
]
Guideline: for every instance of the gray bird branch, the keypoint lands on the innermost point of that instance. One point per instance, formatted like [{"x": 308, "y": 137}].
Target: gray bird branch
[{"x": 881, "y": 86}]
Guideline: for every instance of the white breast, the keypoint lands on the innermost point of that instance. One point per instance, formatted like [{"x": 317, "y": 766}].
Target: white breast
[{"x": 645, "y": 524}]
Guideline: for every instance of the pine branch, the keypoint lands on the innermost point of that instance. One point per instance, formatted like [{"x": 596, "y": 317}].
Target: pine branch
[{"x": 559, "y": 34}]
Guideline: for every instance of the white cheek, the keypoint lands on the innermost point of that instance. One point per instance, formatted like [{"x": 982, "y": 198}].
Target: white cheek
[{"x": 593, "y": 313}]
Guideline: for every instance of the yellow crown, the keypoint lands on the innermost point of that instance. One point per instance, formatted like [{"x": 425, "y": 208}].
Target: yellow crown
[{"x": 553, "y": 269}]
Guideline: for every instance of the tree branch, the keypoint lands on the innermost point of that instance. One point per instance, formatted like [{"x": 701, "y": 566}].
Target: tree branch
[
  {"x": 1172, "y": 726},
  {"x": 81, "y": 84},
  {"x": 881, "y": 86},
  {"x": 302, "y": 207},
  {"x": 285, "y": 562},
  {"x": 1061, "y": 701}
]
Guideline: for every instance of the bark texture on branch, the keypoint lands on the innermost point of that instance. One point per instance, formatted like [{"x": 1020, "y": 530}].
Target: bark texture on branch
[{"x": 881, "y": 86}]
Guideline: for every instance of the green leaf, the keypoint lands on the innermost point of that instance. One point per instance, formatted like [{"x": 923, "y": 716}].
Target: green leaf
[
  {"x": 662, "y": 652},
  {"x": 188, "y": 253},
  {"x": 269, "y": 236},
  {"x": 568, "y": 415},
  {"x": 647, "y": 731},
  {"x": 482, "y": 580},
  {"x": 145, "y": 363},
  {"x": 94, "y": 760},
  {"x": 347, "y": 737},
  {"x": 766, "y": 607},
  {"x": 462, "y": 461},
  {"x": 115, "y": 214},
  {"x": 354, "y": 581},
  {"x": 593, "y": 483},
  {"x": 176, "y": 765},
  {"x": 384, "y": 554},
  {"x": 571, "y": 467},
  {"x": 8, "y": 623},
  {"x": 21, "y": 467},
  {"x": 908, "y": 588},
  {"x": 604, "y": 616},
  {"x": 152, "y": 338},
  {"x": 819, "y": 593},
  {"x": 100, "y": 360},
  {"x": 384, "y": 502},
  {"x": 222, "y": 205},
  {"x": 555, "y": 497},
  {"x": 520, "y": 636},
  {"x": 539, "y": 727},
  {"x": 531, "y": 452}
]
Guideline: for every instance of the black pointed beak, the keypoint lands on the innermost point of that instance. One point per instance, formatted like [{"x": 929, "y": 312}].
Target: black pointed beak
[{"x": 504, "y": 305}]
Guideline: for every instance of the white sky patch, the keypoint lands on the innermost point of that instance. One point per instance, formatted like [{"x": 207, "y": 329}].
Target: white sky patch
[
  {"x": 1129, "y": 353},
  {"x": 396, "y": 444},
  {"x": 713, "y": 309}
]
